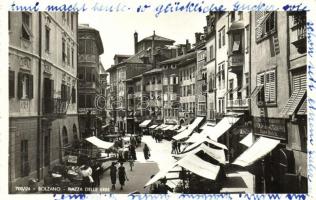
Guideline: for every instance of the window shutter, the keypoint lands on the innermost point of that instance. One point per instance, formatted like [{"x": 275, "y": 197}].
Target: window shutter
[
  {"x": 272, "y": 87},
  {"x": 259, "y": 25},
  {"x": 52, "y": 88},
  {"x": 20, "y": 85},
  {"x": 73, "y": 95},
  {"x": 30, "y": 87},
  {"x": 11, "y": 84},
  {"x": 267, "y": 87}
]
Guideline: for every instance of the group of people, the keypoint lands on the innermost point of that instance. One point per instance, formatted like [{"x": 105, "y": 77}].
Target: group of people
[
  {"x": 175, "y": 147},
  {"x": 160, "y": 188},
  {"x": 120, "y": 171},
  {"x": 157, "y": 136}
]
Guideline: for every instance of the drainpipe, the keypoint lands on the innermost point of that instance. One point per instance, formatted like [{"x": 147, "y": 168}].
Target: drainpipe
[
  {"x": 39, "y": 103},
  {"x": 249, "y": 52}
]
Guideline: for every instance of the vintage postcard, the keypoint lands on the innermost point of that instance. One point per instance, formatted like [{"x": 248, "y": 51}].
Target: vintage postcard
[{"x": 157, "y": 99}]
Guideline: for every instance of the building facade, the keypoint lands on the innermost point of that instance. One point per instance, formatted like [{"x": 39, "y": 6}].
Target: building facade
[
  {"x": 278, "y": 83},
  {"x": 43, "y": 117},
  {"x": 90, "y": 48}
]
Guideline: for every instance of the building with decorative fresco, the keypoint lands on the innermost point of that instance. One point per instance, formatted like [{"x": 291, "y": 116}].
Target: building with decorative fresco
[
  {"x": 43, "y": 119},
  {"x": 89, "y": 87}
]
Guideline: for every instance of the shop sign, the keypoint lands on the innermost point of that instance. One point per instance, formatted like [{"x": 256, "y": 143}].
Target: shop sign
[
  {"x": 270, "y": 127},
  {"x": 72, "y": 159}
]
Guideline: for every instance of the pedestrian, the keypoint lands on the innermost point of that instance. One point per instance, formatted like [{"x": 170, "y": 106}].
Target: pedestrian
[
  {"x": 179, "y": 147},
  {"x": 96, "y": 173},
  {"x": 153, "y": 187},
  {"x": 122, "y": 175},
  {"x": 113, "y": 171},
  {"x": 133, "y": 151},
  {"x": 131, "y": 162},
  {"x": 146, "y": 152},
  {"x": 163, "y": 188},
  {"x": 173, "y": 147}
]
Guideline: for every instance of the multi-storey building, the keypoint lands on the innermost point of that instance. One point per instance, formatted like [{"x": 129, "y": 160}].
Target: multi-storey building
[
  {"x": 126, "y": 70},
  {"x": 210, "y": 65},
  {"x": 43, "y": 117},
  {"x": 187, "y": 73},
  {"x": 90, "y": 48},
  {"x": 278, "y": 82}
]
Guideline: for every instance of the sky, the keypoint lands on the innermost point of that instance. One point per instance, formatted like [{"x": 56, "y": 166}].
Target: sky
[{"x": 117, "y": 30}]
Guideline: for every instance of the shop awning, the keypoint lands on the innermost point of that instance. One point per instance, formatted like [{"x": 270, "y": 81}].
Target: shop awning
[
  {"x": 224, "y": 125},
  {"x": 248, "y": 140},
  {"x": 196, "y": 123},
  {"x": 153, "y": 126},
  {"x": 204, "y": 140},
  {"x": 175, "y": 127},
  {"x": 182, "y": 129},
  {"x": 207, "y": 124},
  {"x": 99, "y": 143},
  {"x": 293, "y": 102},
  {"x": 145, "y": 123},
  {"x": 258, "y": 150},
  {"x": 161, "y": 174},
  {"x": 217, "y": 154},
  {"x": 183, "y": 134},
  {"x": 168, "y": 127},
  {"x": 195, "y": 137},
  {"x": 198, "y": 166},
  {"x": 161, "y": 126}
]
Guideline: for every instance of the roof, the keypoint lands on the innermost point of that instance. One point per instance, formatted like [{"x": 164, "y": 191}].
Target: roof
[
  {"x": 157, "y": 38},
  {"x": 179, "y": 58}
]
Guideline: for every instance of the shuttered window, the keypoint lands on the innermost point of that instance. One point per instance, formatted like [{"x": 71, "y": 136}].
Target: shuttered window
[
  {"x": 266, "y": 93},
  {"x": 73, "y": 95},
  {"x": 298, "y": 94},
  {"x": 265, "y": 24}
]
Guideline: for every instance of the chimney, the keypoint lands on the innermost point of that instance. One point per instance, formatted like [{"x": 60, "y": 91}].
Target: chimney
[
  {"x": 187, "y": 45},
  {"x": 184, "y": 49},
  {"x": 135, "y": 42}
]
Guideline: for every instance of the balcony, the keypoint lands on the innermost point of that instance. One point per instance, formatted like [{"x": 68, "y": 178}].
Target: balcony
[
  {"x": 55, "y": 106},
  {"x": 238, "y": 104},
  {"x": 235, "y": 62}
]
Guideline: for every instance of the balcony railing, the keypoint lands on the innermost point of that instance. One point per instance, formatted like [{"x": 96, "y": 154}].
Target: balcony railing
[
  {"x": 55, "y": 106},
  {"x": 238, "y": 103}
]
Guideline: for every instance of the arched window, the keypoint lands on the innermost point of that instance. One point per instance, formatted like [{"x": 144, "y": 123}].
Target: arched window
[
  {"x": 74, "y": 131},
  {"x": 65, "y": 136}
]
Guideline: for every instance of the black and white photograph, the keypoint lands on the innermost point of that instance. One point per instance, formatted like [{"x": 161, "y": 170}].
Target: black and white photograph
[{"x": 134, "y": 104}]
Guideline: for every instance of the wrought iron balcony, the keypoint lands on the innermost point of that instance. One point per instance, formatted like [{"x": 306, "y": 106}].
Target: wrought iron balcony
[{"x": 55, "y": 106}]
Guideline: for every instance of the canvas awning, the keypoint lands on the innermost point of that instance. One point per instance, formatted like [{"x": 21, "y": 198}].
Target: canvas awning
[
  {"x": 174, "y": 127},
  {"x": 99, "y": 143},
  {"x": 104, "y": 126},
  {"x": 161, "y": 126},
  {"x": 153, "y": 126},
  {"x": 145, "y": 123},
  {"x": 258, "y": 150},
  {"x": 168, "y": 127},
  {"x": 198, "y": 166},
  {"x": 183, "y": 134},
  {"x": 248, "y": 140},
  {"x": 224, "y": 125},
  {"x": 196, "y": 122},
  {"x": 217, "y": 154},
  {"x": 182, "y": 129},
  {"x": 207, "y": 124},
  {"x": 205, "y": 140},
  {"x": 195, "y": 137}
]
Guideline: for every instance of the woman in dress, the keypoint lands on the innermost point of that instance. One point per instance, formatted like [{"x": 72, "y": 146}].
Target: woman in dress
[
  {"x": 113, "y": 171},
  {"x": 122, "y": 175},
  {"x": 146, "y": 152}
]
